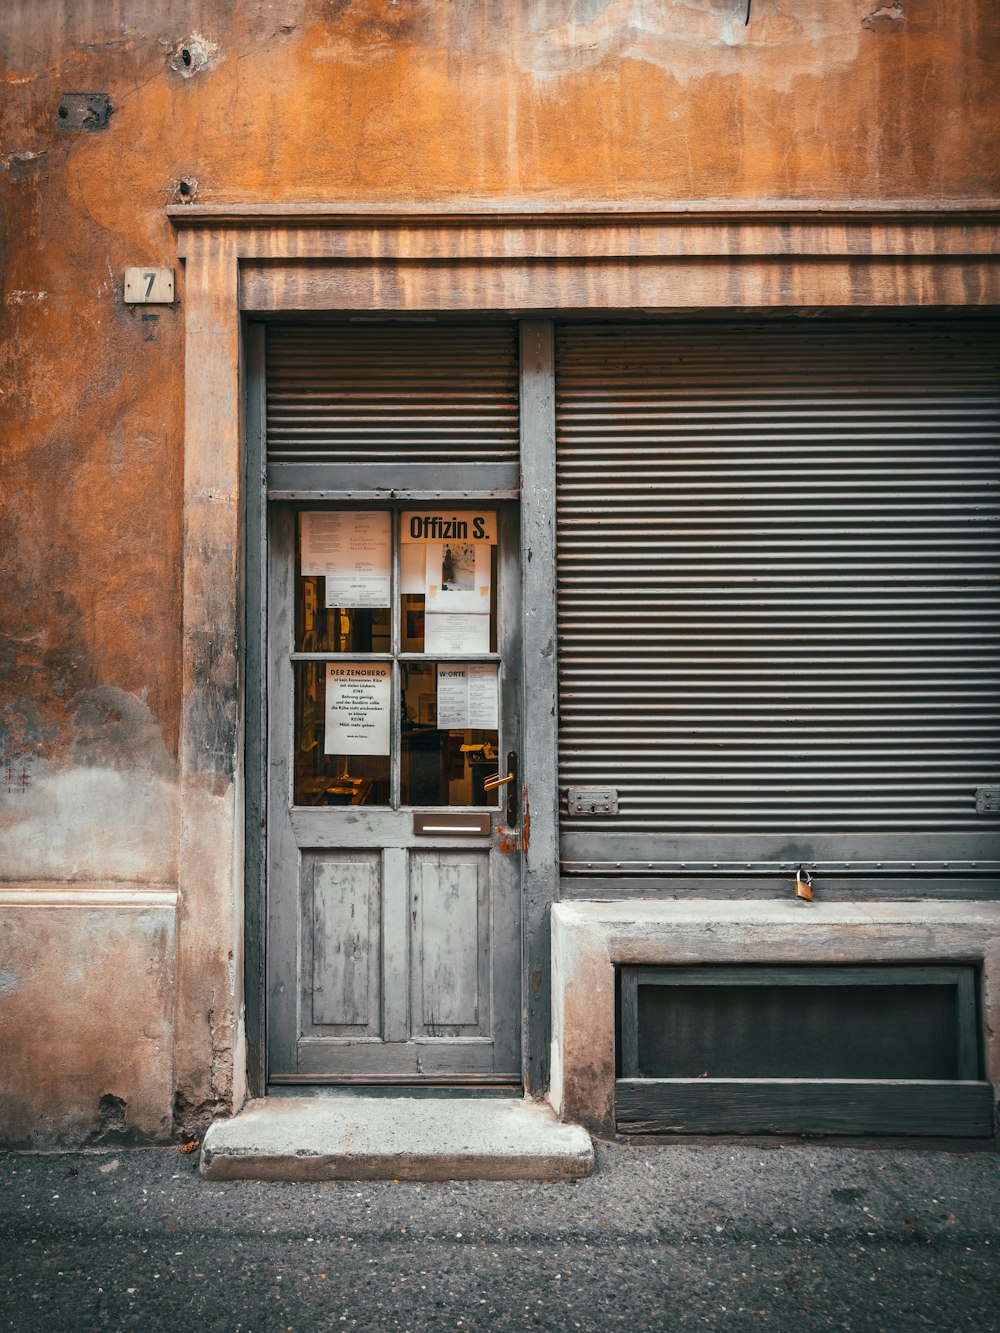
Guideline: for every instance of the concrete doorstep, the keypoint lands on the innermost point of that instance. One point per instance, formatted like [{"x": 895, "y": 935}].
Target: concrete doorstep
[{"x": 346, "y": 1137}]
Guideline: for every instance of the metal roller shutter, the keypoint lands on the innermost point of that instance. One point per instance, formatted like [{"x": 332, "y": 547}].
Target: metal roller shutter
[
  {"x": 779, "y": 594},
  {"x": 384, "y": 394}
]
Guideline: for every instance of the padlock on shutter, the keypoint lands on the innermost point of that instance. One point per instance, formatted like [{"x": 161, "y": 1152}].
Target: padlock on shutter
[{"x": 803, "y": 884}]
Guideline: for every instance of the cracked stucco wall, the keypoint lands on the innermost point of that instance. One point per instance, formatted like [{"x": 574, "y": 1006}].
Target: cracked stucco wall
[
  {"x": 86, "y": 1019},
  {"x": 564, "y": 101}
]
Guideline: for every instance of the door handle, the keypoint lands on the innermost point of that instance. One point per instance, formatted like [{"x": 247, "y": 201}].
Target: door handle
[{"x": 512, "y": 813}]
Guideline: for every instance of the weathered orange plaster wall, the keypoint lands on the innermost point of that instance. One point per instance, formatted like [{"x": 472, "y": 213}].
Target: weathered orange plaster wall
[
  {"x": 572, "y": 102},
  {"x": 65, "y": 971}
]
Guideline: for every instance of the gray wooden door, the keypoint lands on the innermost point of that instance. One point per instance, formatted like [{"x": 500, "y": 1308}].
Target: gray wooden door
[{"x": 394, "y": 906}]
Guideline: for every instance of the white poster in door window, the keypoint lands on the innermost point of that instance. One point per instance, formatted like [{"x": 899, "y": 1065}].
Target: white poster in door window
[
  {"x": 458, "y": 577},
  {"x": 352, "y": 549},
  {"x": 357, "y": 708},
  {"x": 468, "y": 696},
  {"x": 484, "y": 695},
  {"x": 447, "y": 633},
  {"x": 318, "y": 541}
]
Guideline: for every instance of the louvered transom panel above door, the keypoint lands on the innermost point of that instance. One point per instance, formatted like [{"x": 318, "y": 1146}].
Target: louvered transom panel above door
[
  {"x": 346, "y": 399},
  {"x": 779, "y": 587}
]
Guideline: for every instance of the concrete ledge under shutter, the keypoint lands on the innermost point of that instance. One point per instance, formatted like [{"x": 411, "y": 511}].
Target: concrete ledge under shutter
[{"x": 589, "y": 939}]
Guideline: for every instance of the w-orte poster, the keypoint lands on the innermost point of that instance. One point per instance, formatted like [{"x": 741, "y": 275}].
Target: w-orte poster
[{"x": 468, "y": 696}]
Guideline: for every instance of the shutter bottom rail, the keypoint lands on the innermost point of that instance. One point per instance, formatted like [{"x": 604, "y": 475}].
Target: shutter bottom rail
[
  {"x": 624, "y": 869},
  {"x": 862, "y": 1107}
]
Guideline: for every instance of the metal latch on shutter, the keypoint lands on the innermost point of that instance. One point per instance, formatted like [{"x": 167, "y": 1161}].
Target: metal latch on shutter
[
  {"x": 988, "y": 800},
  {"x": 592, "y": 800}
]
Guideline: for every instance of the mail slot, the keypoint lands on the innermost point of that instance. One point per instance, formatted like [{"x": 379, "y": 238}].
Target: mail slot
[{"x": 444, "y": 824}]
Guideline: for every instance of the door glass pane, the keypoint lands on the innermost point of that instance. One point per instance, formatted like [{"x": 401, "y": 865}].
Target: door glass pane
[
  {"x": 446, "y": 765},
  {"x": 448, "y": 596},
  {"x": 331, "y": 779},
  {"x": 320, "y": 628}
]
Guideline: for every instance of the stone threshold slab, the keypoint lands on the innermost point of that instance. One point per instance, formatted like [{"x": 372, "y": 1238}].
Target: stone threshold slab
[{"x": 349, "y": 1137}]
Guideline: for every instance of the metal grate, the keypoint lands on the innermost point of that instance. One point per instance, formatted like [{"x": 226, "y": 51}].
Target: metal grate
[
  {"x": 390, "y": 394},
  {"x": 779, "y": 584}
]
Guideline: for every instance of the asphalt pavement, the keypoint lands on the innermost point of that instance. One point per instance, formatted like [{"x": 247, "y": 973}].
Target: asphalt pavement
[{"x": 661, "y": 1237}]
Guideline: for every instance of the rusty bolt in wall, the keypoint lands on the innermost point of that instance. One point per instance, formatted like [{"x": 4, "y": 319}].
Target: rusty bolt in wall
[
  {"x": 84, "y": 111},
  {"x": 195, "y": 53},
  {"x": 184, "y": 190}
]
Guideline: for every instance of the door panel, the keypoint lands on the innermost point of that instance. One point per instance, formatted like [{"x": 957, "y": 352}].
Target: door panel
[
  {"x": 342, "y": 935},
  {"x": 393, "y": 941},
  {"x": 449, "y": 893}
]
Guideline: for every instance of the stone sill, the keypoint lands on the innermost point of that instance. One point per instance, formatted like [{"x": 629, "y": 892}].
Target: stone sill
[{"x": 590, "y": 938}]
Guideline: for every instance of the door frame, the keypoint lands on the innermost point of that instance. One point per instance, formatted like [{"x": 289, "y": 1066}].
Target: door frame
[
  {"x": 249, "y": 261},
  {"x": 536, "y": 560}
]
